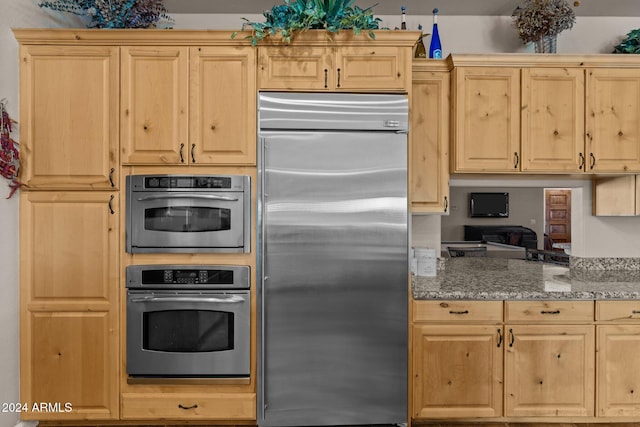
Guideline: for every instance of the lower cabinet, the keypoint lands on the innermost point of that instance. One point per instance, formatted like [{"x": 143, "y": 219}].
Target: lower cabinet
[
  {"x": 471, "y": 359},
  {"x": 549, "y": 370},
  {"x": 69, "y": 364},
  {"x": 618, "y": 370},
  {"x": 189, "y": 406}
]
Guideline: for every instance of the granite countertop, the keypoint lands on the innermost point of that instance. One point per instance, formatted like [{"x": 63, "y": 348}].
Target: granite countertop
[{"x": 480, "y": 278}]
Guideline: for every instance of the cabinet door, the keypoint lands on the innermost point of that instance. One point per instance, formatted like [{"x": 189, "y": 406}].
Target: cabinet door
[
  {"x": 372, "y": 68},
  {"x": 154, "y": 105},
  {"x": 486, "y": 134},
  {"x": 429, "y": 135},
  {"x": 618, "y": 371},
  {"x": 457, "y": 371},
  {"x": 296, "y": 68},
  {"x": 69, "y": 116},
  {"x": 616, "y": 195},
  {"x": 69, "y": 304},
  {"x": 550, "y": 370},
  {"x": 613, "y": 128},
  {"x": 223, "y": 105},
  {"x": 553, "y": 120}
]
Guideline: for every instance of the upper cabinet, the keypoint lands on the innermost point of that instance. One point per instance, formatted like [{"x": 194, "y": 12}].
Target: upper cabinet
[
  {"x": 559, "y": 114},
  {"x": 613, "y": 119},
  {"x": 343, "y": 63},
  {"x": 188, "y": 105},
  {"x": 429, "y": 136},
  {"x": 69, "y": 116},
  {"x": 486, "y": 119}
]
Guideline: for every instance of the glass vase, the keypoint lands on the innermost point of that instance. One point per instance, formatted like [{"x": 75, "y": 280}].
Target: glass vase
[{"x": 547, "y": 44}]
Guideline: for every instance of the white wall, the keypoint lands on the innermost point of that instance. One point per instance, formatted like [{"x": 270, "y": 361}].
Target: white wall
[{"x": 459, "y": 34}]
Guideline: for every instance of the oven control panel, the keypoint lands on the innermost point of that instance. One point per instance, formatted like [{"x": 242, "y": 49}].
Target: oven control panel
[{"x": 188, "y": 276}]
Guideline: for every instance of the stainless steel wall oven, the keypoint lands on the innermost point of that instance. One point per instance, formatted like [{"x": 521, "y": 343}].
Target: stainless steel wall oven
[
  {"x": 188, "y": 213},
  {"x": 186, "y": 321}
]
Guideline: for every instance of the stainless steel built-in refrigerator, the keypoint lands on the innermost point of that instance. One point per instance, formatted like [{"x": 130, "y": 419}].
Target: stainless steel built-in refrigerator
[{"x": 333, "y": 259}]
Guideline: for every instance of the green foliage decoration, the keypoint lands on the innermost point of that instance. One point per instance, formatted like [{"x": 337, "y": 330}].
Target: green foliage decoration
[
  {"x": 288, "y": 19},
  {"x": 631, "y": 44}
]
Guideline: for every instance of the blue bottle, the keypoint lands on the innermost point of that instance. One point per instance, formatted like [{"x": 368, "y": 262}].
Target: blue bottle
[{"x": 435, "y": 48}]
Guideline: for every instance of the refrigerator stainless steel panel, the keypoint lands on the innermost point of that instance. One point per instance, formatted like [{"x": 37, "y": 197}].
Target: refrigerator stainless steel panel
[{"x": 334, "y": 267}]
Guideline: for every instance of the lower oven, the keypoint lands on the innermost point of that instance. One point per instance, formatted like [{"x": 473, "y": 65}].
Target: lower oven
[{"x": 186, "y": 321}]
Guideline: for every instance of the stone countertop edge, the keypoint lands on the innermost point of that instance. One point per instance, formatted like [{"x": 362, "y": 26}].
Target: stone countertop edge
[{"x": 514, "y": 279}]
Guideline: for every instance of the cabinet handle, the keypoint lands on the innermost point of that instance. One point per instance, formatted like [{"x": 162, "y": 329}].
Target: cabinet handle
[
  {"x": 458, "y": 312},
  {"x": 181, "y": 155},
  {"x": 593, "y": 160},
  {"x": 516, "y": 160},
  {"x": 550, "y": 312},
  {"x": 111, "y": 177},
  {"x": 181, "y": 406},
  {"x": 326, "y": 78},
  {"x": 635, "y": 311},
  {"x": 446, "y": 203},
  {"x": 582, "y": 161},
  {"x": 499, "y": 337},
  {"x": 512, "y": 338},
  {"x": 193, "y": 153},
  {"x": 111, "y": 205},
  {"x": 338, "y": 85}
]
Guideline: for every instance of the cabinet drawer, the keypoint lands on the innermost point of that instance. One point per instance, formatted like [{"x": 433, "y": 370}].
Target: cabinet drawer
[
  {"x": 619, "y": 311},
  {"x": 457, "y": 311},
  {"x": 549, "y": 311},
  {"x": 189, "y": 406}
]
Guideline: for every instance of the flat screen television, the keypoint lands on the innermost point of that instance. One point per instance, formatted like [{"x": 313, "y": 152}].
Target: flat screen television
[{"x": 489, "y": 205}]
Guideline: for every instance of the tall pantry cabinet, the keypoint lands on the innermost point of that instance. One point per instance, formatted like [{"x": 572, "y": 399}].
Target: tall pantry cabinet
[{"x": 69, "y": 230}]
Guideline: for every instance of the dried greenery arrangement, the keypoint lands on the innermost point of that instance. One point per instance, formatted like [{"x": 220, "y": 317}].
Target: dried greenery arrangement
[
  {"x": 536, "y": 19},
  {"x": 631, "y": 43},
  {"x": 115, "y": 13},
  {"x": 287, "y": 19},
  {"x": 9, "y": 153}
]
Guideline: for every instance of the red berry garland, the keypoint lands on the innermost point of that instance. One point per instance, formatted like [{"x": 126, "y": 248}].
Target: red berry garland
[{"x": 9, "y": 154}]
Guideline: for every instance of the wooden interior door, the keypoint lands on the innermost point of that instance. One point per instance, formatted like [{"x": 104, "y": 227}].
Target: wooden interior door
[{"x": 557, "y": 217}]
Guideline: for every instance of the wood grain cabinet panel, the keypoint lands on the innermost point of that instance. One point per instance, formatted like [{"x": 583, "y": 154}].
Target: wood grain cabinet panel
[
  {"x": 613, "y": 128},
  {"x": 550, "y": 370},
  {"x": 553, "y": 136},
  {"x": 429, "y": 136},
  {"x": 189, "y": 406},
  {"x": 69, "y": 117},
  {"x": 486, "y": 130},
  {"x": 457, "y": 371},
  {"x": 69, "y": 303},
  {"x": 154, "y": 104}
]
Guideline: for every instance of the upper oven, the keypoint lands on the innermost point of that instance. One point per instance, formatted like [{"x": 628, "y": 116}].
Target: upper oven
[{"x": 188, "y": 213}]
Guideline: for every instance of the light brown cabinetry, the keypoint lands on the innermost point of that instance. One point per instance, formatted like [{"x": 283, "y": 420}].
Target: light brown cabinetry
[
  {"x": 486, "y": 110},
  {"x": 564, "y": 114},
  {"x": 343, "y": 63},
  {"x": 550, "y": 358},
  {"x": 457, "y": 366},
  {"x": 429, "y": 135},
  {"x": 552, "y": 120},
  {"x": 69, "y": 116},
  {"x": 69, "y": 303},
  {"x": 616, "y": 195},
  {"x": 613, "y": 125},
  {"x": 188, "y": 105},
  {"x": 548, "y": 348},
  {"x": 618, "y": 369}
]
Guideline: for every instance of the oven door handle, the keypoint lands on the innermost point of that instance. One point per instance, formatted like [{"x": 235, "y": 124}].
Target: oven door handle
[
  {"x": 187, "y": 196},
  {"x": 233, "y": 299}
]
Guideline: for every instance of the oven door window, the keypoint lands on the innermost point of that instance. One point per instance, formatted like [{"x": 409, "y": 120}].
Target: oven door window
[
  {"x": 185, "y": 219},
  {"x": 188, "y": 331}
]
